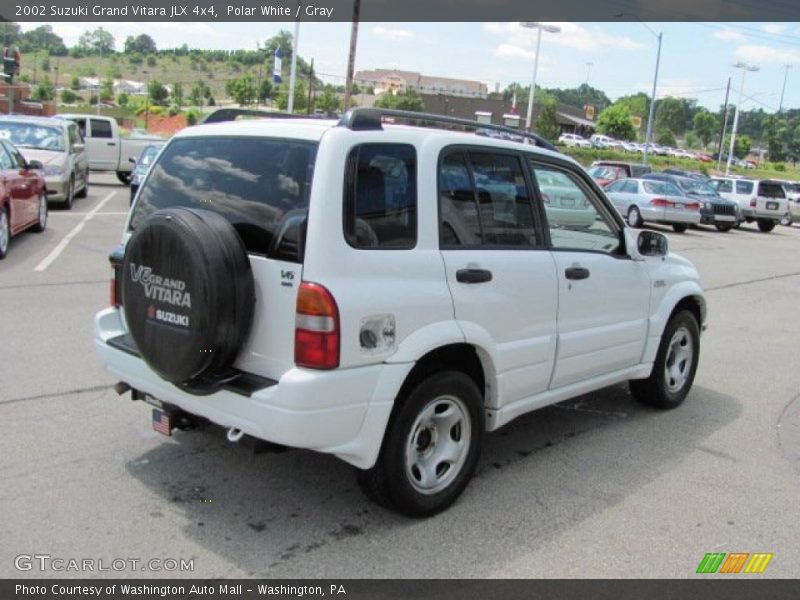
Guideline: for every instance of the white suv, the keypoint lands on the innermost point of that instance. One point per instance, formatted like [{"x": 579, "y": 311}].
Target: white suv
[
  {"x": 763, "y": 201},
  {"x": 385, "y": 293},
  {"x": 573, "y": 139}
]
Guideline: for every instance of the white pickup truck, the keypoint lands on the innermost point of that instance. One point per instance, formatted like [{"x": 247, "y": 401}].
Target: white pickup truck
[{"x": 106, "y": 148}]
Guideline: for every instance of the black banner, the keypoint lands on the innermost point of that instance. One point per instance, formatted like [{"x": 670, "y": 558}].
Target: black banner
[
  {"x": 406, "y": 10},
  {"x": 711, "y": 588}
]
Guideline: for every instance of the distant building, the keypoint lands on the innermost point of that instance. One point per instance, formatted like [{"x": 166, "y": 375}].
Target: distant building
[{"x": 393, "y": 80}]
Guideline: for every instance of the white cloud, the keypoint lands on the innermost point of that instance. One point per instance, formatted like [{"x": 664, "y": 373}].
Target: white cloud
[
  {"x": 679, "y": 88},
  {"x": 766, "y": 54},
  {"x": 571, "y": 35},
  {"x": 729, "y": 35},
  {"x": 774, "y": 27},
  {"x": 392, "y": 34},
  {"x": 513, "y": 52}
]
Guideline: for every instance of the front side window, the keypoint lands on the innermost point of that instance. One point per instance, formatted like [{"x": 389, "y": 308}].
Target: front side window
[
  {"x": 574, "y": 215},
  {"x": 101, "y": 129},
  {"x": 5, "y": 159},
  {"x": 724, "y": 186},
  {"x": 484, "y": 201},
  {"x": 380, "y": 199}
]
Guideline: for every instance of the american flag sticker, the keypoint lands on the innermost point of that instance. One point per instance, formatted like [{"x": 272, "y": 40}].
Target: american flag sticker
[{"x": 161, "y": 422}]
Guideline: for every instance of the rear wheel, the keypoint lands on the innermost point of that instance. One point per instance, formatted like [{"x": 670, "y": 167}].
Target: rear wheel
[
  {"x": 70, "y": 194},
  {"x": 679, "y": 227},
  {"x": 124, "y": 178},
  {"x": 5, "y": 232},
  {"x": 766, "y": 225},
  {"x": 85, "y": 190},
  {"x": 675, "y": 364},
  {"x": 41, "y": 224},
  {"x": 431, "y": 447},
  {"x": 786, "y": 220},
  {"x": 723, "y": 227},
  {"x": 634, "y": 217}
]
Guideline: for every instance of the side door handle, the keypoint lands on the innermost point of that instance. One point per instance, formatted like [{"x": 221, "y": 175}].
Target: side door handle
[
  {"x": 576, "y": 273},
  {"x": 111, "y": 143},
  {"x": 473, "y": 275}
]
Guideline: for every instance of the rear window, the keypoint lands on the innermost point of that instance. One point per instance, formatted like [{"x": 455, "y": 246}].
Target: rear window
[
  {"x": 252, "y": 182},
  {"x": 771, "y": 190}
]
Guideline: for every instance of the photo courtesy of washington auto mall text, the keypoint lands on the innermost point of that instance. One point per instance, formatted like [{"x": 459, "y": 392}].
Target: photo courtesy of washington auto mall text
[{"x": 399, "y": 299}]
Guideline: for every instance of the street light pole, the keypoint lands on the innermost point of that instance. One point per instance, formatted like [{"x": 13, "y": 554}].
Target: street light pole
[
  {"x": 540, "y": 27},
  {"x": 745, "y": 68},
  {"x": 293, "y": 71},
  {"x": 648, "y": 138},
  {"x": 783, "y": 90},
  {"x": 588, "y": 71}
]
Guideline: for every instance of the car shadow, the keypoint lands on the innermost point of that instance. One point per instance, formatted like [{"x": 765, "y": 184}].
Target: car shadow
[{"x": 300, "y": 514}]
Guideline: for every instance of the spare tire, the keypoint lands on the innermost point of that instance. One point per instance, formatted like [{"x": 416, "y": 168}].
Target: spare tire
[{"x": 188, "y": 294}]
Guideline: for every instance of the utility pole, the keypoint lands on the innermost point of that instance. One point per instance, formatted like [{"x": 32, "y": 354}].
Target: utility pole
[
  {"x": 724, "y": 127},
  {"x": 293, "y": 71},
  {"x": 310, "y": 87},
  {"x": 649, "y": 135},
  {"x": 351, "y": 58}
]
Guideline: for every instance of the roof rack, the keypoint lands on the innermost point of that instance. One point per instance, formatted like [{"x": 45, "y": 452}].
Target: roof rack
[
  {"x": 229, "y": 114},
  {"x": 363, "y": 119}
]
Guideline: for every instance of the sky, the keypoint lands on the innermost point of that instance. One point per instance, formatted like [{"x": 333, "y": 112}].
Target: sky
[{"x": 696, "y": 58}]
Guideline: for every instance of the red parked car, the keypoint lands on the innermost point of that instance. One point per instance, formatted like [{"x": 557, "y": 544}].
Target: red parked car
[{"x": 23, "y": 197}]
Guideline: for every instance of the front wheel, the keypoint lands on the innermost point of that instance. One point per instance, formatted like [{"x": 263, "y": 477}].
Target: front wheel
[
  {"x": 41, "y": 223},
  {"x": 766, "y": 225},
  {"x": 679, "y": 227},
  {"x": 5, "y": 232},
  {"x": 431, "y": 447},
  {"x": 675, "y": 365},
  {"x": 85, "y": 189},
  {"x": 634, "y": 217},
  {"x": 724, "y": 227},
  {"x": 786, "y": 220},
  {"x": 124, "y": 178}
]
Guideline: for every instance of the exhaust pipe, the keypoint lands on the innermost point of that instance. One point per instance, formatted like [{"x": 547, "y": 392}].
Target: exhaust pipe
[{"x": 235, "y": 434}]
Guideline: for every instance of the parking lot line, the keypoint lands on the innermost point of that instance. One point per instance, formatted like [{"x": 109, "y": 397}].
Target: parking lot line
[{"x": 48, "y": 260}]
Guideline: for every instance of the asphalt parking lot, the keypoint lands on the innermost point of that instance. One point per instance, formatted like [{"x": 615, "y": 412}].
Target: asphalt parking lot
[{"x": 595, "y": 487}]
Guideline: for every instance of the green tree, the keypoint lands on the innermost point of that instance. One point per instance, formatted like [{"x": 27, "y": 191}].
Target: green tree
[
  {"x": 671, "y": 115},
  {"x": 741, "y": 146},
  {"x": 241, "y": 89},
  {"x": 96, "y": 41},
  {"x": 200, "y": 92},
  {"x": 151, "y": 60},
  {"x": 42, "y": 38},
  {"x": 665, "y": 137},
  {"x": 264, "y": 91},
  {"x": 407, "y": 100},
  {"x": 107, "y": 89},
  {"x": 45, "y": 90},
  {"x": 705, "y": 126},
  {"x": 158, "y": 93},
  {"x": 616, "y": 122},
  {"x": 300, "y": 99},
  {"x": 328, "y": 101},
  {"x": 638, "y": 105},
  {"x": 143, "y": 44},
  {"x": 122, "y": 99},
  {"x": 177, "y": 94},
  {"x": 68, "y": 96},
  {"x": 691, "y": 140},
  {"x": 75, "y": 84},
  {"x": 546, "y": 124}
]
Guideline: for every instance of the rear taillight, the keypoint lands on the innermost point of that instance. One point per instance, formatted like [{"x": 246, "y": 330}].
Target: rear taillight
[
  {"x": 693, "y": 206},
  {"x": 113, "y": 297},
  {"x": 316, "y": 333},
  {"x": 115, "y": 287},
  {"x": 661, "y": 202},
  {"x": 753, "y": 202}
]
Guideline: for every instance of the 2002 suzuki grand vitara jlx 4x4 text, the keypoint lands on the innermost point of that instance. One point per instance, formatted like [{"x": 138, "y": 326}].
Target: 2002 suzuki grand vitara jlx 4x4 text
[{"x": 387, "y": 293}]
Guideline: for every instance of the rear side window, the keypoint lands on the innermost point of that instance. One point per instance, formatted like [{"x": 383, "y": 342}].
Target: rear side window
[
  {"x": 101, "y": 129},
  {"x": 744, "y": 187},
  {"x": 255, "y": 183},
  {"x": 380, "y": 198},
  {"x": 771, "y": 190},
  {"x": 484, "y": 201}
]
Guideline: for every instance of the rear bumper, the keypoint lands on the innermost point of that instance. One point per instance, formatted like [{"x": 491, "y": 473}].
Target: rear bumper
[{"x": 342, "y": 412}]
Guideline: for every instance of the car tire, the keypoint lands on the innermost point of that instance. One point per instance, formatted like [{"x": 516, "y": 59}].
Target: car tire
[
  {"x": 41, "y": 224},
  {"x": 786, "y": 220},
  {"x": 766, "y": 225},
  {"x": 679, "y": 227},
  {"x": 675, "y": 365},
  {"x": 124, "y": 178},
  {"x": 634, "y": 217},
  {"x": 723, "y": 227},
  {"x": 70, "y": 199},
  {"x": 441, "y": 416},
  {"x": 5, "y": 232},
  {"x": 85, "y": 190}
]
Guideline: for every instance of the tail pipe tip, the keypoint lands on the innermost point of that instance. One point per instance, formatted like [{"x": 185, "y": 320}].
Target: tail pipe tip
[{"x": 235, "y": 434}]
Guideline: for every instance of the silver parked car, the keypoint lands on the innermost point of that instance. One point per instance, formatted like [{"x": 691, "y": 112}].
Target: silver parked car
[
  {"x": 58, "y": 145},
  {"x": 644, "y": 200}
]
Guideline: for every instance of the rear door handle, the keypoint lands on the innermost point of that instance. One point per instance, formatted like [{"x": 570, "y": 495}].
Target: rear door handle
[
  {"x": 111, "y": 143},
  {"x": 576, "y": 273},
  {"x": 473, "y": 275}
]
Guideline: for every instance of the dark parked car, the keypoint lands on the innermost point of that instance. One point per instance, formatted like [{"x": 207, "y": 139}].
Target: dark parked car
[
  {"x": 714, "y": 209},
  {"x": 606, "y": 171},
  {"x": 142, "y": 166}
]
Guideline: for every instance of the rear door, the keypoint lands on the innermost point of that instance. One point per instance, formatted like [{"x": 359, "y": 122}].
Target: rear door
[
  {"x": 501, "y": 277},
  {"x": 771, "y": 200},
  {"x": 603, "y": 295},
  {"x": 101, "y": 147}
]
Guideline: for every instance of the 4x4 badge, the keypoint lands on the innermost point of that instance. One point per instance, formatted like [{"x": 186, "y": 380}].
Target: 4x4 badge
[{"x": 287, "y": 277}]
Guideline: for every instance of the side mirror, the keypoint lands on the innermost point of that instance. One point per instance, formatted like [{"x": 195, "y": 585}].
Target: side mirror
[
  {"x": 78, "y": 147},
  {"x": 132, "y": 160},
  {"x": 652, "y": 243},
  {"x": 35, "y": 164}
]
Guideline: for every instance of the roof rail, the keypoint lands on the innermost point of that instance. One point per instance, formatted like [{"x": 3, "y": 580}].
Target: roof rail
[
  {"x": 229, "y": 114},
  {"x": 362, "y": 119}
]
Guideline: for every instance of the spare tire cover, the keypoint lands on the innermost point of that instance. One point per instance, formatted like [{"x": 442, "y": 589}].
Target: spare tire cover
[{"x": 188, "y": 293}]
